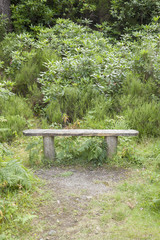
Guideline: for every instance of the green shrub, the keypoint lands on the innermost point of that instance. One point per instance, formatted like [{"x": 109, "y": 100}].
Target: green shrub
[
  {"x": 119, "y": 15},
  {"x": 16, "y": 50},
  {"x": 74, "y": 103},
  {"x": 53, "y": 112},
  {"x": 15, "y": 184},
  {"x": 36, "y": 99},
  {"x": 94, "y": 151},
  {"x": 35, "y": 149},
  {"x": 139, "y": 103},
  {"x": 14, "y": 125},
  {"x": 3, "y": 26},
  {"x": 130, "y": 14},
  {"x": 79, "y": 151},
  {"x": 81, "y": 63},
  {"x": 5, "y": 91},
  {"x": 26, "y": 14},
  {"x": 14, "y": 115},
  {"x": 31, "y": 12},
  {"x": 134, "y": 87},
  {"x": 15, "y": 105},
  {"x": 145, "y": 117},
  {"x": 27, "y": 75},
  {"x": 14, "y": 176}
]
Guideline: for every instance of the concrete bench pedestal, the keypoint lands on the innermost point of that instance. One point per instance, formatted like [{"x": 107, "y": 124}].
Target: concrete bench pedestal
[
  {"x": 112, "y": 143},
  {"x": 48, "y": 147},
  {"x": 110, "y": 135}
]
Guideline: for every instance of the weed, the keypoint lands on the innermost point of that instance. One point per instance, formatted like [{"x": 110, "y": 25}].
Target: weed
[
  {"x": 35, "y": 148},
  {"x": 91, "y": 151},
  {"x": 66, "y": 174}
]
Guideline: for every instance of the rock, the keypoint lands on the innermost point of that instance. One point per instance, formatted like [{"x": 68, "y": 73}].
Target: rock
[
  {"x": 89, "y": 197},
  {"x": 52, "y": 232}
]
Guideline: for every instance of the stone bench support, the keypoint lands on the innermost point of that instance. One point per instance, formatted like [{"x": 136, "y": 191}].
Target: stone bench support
[
  {"x": 48, "y": 147},
  {"x": 111, "y": 136},
  {"x": 112, "y": 143}
]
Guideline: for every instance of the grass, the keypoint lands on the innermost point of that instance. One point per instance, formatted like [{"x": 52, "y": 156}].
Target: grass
[
  {"x": 21, "y": 208},
  {"x": 121, "y": 216},
  {"x": 19, "y": 211},
  {"x": 66, "y": 174}
]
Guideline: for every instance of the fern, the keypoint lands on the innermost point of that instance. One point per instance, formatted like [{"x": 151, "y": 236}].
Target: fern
[
  {"x": 14, "y": 176},
  {"x": 79, "y": 151}
]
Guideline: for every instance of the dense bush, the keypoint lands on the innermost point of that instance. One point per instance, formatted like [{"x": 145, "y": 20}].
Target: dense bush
[
  {"x": 144, "y": 116},
  {"x": 13, "y": 118},
  {"x": 77, "y": 72},
  {"x": 116, "y": 16},
  {"x": 81, "y": 64},
  {"x": 75, "y": 103},
  {"x": 30, "y": 12},
  {"x": 3, "y": 26},
  {"x": 16, "y": 183},
  {"x": 131, "y": 14},
  {"x": 79, "y": 151},
  {"x": 14, "y": 176},
  {"x": 26, "y": 14}
]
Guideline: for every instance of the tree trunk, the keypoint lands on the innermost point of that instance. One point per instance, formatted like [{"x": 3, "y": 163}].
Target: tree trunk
[{"x": 5, "y": 7}]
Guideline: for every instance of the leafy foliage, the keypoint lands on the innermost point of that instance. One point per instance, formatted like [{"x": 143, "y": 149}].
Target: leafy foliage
[
  {"x": 14, "y": 176},
  {"x": 30, "y": 12},
  {"x": 128, "y": 14},
  {"x": 148, "y": 121},
  {"x": 3, "y": 26},
  {"x": 112, "y": 16},
  {"x": 13, "y": 116},
  {"x": 85, "y": 73},
  {"x": 15, "y": 183},
  {"x": 85, "y": 64},
  {"x": 79, "y": 151}
]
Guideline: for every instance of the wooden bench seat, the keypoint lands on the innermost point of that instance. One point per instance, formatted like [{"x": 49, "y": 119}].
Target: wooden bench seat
[{"x": 111, "y": 136}]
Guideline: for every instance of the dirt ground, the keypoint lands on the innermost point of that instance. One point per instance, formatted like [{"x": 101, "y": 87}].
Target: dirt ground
[{"x": 71, "y": 192}]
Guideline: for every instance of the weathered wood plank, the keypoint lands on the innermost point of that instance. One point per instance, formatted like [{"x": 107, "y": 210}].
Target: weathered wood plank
[{"x": 80, "y": 132}]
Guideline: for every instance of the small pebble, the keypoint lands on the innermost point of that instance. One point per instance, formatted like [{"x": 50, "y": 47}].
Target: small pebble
[
  {"x": 51, "y": 232},
  {"x": 89, "y": 197}
]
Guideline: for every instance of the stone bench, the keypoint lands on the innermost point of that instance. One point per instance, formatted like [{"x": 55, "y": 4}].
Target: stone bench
[{"x": 48, "y": 135}]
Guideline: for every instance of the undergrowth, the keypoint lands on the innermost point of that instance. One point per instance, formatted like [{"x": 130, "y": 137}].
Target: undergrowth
[{"x": 16, "y": 188}]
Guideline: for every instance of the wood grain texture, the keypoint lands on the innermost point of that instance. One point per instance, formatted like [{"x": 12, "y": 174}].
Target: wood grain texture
[{"x": 80, "y": 132}]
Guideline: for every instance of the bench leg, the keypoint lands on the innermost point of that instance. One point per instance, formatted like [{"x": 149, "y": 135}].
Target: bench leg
[
  {"x": 111, "y": 146},
  {"x": 48, "y": 145}
]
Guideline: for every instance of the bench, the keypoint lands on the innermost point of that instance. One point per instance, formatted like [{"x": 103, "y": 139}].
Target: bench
[{"x": 48, "y": 135}]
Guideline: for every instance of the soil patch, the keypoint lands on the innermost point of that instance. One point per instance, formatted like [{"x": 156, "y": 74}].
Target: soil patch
[{"x": 71, "y": 192}]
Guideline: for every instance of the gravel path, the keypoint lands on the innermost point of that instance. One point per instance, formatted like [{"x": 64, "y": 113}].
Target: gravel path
[
  {"x": 72, "y": 190},
  {"x": 93, "y": 182}
]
